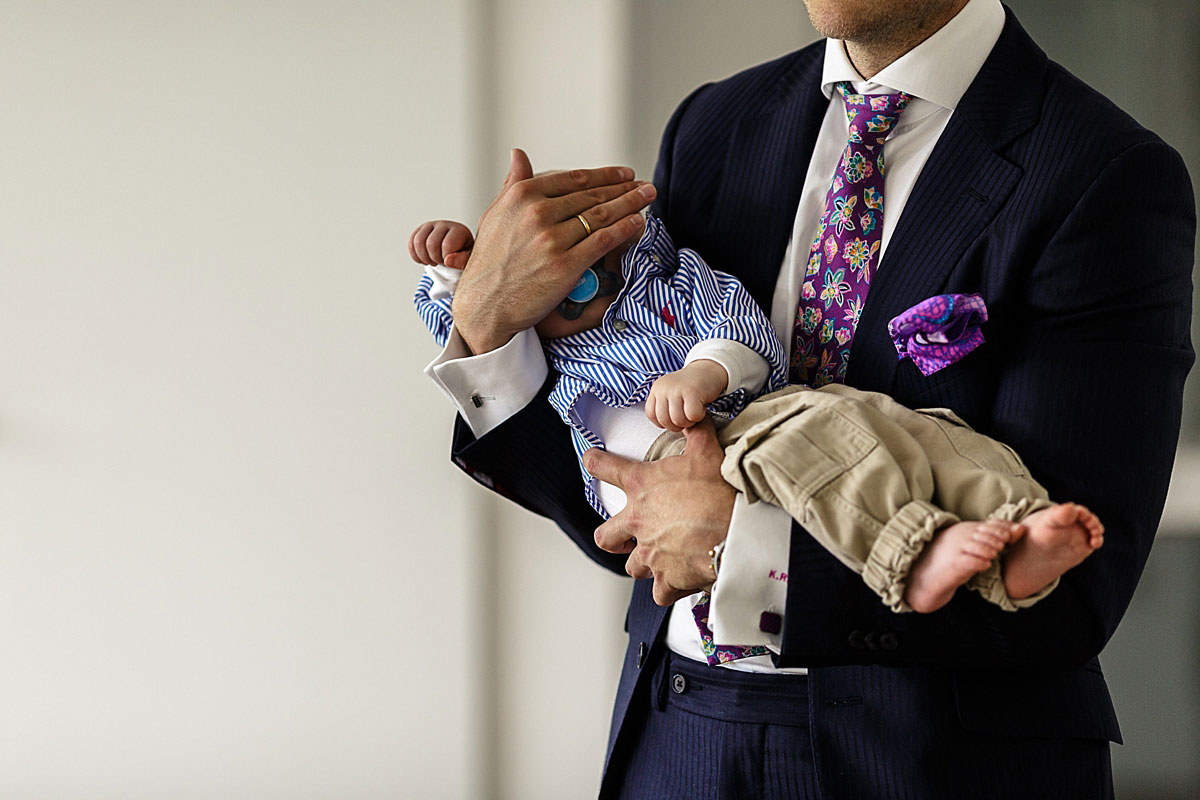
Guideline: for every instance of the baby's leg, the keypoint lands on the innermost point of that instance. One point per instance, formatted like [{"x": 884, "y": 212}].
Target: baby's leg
[
  {"x": 953, "y": 557},
  {"x": 857, "y": 482},
  {"x": 1056, "y": 539}
]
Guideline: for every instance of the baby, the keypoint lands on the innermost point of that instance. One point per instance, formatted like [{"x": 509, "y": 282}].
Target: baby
[{"x": 650, "y": 323}]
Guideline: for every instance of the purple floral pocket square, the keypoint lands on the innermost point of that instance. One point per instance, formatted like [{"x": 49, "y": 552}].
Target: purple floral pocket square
[{"x": 939, "y": 331}]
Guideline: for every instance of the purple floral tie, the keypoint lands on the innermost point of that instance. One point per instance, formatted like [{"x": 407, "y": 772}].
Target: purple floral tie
[
  {"x": 843, "y": 256},
  {"x": 846, "y": 248},
  {"x": 719, "y": 654}
]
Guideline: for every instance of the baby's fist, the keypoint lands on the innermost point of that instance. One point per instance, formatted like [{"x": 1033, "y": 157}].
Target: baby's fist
[
  {"x": 677, "y": 399},
  {"x": 442, "y": 242}
]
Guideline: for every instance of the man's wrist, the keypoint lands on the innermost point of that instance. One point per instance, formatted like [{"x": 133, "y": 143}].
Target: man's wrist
[
  {"x": 716, "y": 554},
  {"x": 490, "y": 387},
  {"x": 482, "y": 339},
  {"x": 479, "y": 329}
]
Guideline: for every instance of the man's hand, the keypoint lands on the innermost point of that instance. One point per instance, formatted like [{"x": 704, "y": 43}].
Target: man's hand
[
  {"x": 677, "y": 399},
  {"x": 530, "y": 248},
  {"x": 678, "y": 509}
]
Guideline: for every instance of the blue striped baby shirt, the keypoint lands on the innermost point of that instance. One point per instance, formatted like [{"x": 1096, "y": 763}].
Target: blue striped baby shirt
[{"x": 671, "y": 301}]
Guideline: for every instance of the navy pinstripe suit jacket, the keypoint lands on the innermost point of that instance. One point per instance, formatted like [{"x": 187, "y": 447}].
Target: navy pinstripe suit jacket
[{"x": 1077, "y": 226}]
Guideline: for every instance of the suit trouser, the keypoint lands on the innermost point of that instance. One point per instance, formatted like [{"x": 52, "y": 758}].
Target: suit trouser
[
  {"x": 872, "y": 480},
  {"x": 700, "y": 732},
  {"x": 841, "y": 733}
]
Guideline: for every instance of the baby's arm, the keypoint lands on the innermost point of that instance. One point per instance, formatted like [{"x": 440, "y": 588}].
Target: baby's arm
[
  {"x": 677, "y": 399},
  {"x": 738, "y": 349},
  {"x": 443, "y": 247},
  {"x": 441, "y": 242},
  {"x": 714, "y": 368}
]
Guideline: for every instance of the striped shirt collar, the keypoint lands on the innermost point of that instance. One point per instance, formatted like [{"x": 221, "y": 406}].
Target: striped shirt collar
[{"x": 939, "y": 69}]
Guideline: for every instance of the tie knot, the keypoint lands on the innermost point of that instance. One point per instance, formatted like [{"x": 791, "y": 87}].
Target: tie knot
[{"x": 872, "y": 116}]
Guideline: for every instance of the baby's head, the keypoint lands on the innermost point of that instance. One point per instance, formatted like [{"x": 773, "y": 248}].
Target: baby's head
[{"x": 585, "y": 307}]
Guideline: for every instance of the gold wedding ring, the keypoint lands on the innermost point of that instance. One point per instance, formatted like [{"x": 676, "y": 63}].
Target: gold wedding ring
[{"x": 587, "y": 229}]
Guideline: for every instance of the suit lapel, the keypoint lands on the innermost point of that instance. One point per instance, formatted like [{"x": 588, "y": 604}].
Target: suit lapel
[
  {"x": 763, "y": 177},
  {"x": 965, "y": 182},
  {"x": 960, "y": 190}
]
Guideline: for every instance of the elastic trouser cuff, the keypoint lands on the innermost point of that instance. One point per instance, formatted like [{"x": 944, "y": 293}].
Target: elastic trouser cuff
[
  {"x": 990, "y": 582},
  {"x": 898, "y": 546}
]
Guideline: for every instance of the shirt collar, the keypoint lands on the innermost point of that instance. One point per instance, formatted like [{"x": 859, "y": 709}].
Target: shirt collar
[{"x": 939, "y": 69}]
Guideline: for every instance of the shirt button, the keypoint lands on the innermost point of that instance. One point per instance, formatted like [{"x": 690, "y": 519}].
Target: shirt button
[
  {"x": 620, "y": 325},
  {"x": 656, "y": 259}
]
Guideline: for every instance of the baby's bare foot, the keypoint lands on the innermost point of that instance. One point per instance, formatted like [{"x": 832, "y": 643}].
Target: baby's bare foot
[
  {"x": 1058, "y": 538},
  {"x": 952, "y": 557}
]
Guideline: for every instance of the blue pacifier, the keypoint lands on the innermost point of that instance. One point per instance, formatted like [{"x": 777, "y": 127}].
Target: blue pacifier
[{"x": 586, "y": 288}]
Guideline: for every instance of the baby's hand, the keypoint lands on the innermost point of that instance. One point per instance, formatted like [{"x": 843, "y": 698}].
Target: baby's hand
[
  {"x": 443, "y": 242},
  {"x": 677, "y": 399}
]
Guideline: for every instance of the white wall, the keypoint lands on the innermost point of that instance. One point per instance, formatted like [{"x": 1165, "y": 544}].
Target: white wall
[
  {"x": 558, "y": 78},
  {"x": 233, "y": 555}
]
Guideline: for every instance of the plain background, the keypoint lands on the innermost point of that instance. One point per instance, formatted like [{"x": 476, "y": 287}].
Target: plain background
[{"x": 235, "y": 561}]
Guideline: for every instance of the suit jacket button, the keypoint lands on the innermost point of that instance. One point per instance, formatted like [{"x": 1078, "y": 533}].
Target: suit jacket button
[
  {"x": 641, "y": 655},
  {"x": 872, "y": 640},
  {"x": 888, "y": 641},
  {"x": 856, "y": 640},
  {"x": 679, "y": 683}
]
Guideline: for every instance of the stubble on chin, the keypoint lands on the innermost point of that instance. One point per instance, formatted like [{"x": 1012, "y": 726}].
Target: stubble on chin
[{"x": 876, "y": 21}]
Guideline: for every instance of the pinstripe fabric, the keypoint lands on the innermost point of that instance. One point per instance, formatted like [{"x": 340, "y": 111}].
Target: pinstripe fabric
[
  {"x": 1077, "y": 227},
  {"x": 705, "y": 733}
]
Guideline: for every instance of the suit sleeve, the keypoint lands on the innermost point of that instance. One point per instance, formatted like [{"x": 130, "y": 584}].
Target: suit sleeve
[{"x": 1090, "y": 394}]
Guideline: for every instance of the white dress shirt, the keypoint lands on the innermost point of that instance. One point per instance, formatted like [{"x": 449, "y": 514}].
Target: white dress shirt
[{"x": 753, "y": 579}]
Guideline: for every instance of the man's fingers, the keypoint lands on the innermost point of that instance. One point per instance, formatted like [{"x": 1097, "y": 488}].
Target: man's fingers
[
  {"x": 635, "y": 567},
  {"x": 614, "y": 536},
  {"x": 519, "y": 168},
  {"x": 602, "y": 215},
  {"x": 702, "y": 438},
  {"x": 569, "y": 205},
  {"x": 556, "y": 184},
  {"x": 665, "y": 594},
  {"x": 603, "y": 241},
  {"x": 610, "y": 468}
]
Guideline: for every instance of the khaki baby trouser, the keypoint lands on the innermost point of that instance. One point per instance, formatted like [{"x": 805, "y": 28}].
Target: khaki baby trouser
[{"x": 872, "y": 480}]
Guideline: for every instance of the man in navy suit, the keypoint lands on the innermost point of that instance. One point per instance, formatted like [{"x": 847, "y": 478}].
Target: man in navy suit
[{"x": 1077, "y": 227}]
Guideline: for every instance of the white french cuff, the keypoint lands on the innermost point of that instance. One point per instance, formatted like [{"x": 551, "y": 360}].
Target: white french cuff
[
  {"x": 490, "y": 388},
  {"x": 753, "y": 575},
  {"x": 746, "y": 368}
]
